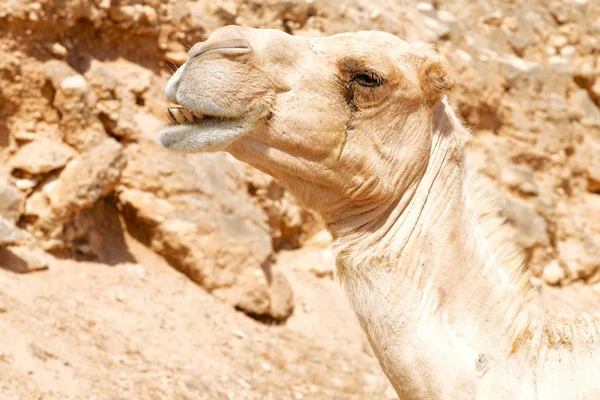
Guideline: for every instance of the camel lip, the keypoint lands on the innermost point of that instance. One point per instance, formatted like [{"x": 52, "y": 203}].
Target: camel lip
[{"x": 206, "y": 135}]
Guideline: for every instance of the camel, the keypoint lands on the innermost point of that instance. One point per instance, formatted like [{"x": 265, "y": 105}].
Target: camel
[{"x": 359, "y": 127}]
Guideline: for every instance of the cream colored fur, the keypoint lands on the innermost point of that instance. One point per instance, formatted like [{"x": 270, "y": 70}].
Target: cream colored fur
[{"x": 358, "y": 127}]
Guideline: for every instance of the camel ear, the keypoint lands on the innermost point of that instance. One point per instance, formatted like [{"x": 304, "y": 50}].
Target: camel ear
[{"x": 435, "y": 79}]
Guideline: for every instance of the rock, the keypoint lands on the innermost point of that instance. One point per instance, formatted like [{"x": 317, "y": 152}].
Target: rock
[
  {"x": 195, "y": 212},
  {"x": 102, "y": 78},
  {"x": 568, "y": 52},
  {"x": 585, "y": 109},
  {"x": 227, "y": 10},
  {"x": 581, "y": 256},
  {"x": 324, "y": 267},
  {"x": 289, "y": 223},
  {"x": 438, "y": 29},
  {"x": 149, "y": 208},
  {"x": 299, "y": 13},
  {"x": 81, "y": 183},
  {"x": 41, "y": 156},
  {"x": 76, "y": 85},
  {"x": 320, "y": 238},
  {"x": 531, "y": 228},
  {"x": 427, "y": 9},
  {"x": 596, "y": 88},
  {"x": 494, "y": 19},
  {"x": 562, "y": 12},
  {"x": 9, "y": 233},
  {"x": 177, "y": 57},
  {"x": 519, "y": 42},
  {"x": 446, "y": 18},
  {"x": 515, "y": 67},
  {"x": 11, "y": 200},
  {"x": 57, "y": 71},
  {"x": 587, "y": 161},
  {"x": 23, "y": 259},
  {"x": 124, "y": 13},
  {"x": 558, "y": 41},
  {"x": 553, "y": 273},
  {"x": 559, "y": 65},
  {"x": 75, "y": 100},
  {"x": 25, "y": 184},
  {"x": 519, "y": 177},
  {"x": 281, "y": 296},
  {"x": 88, "y": 177},
  {"x": 59, "y": 50},
  {"x": 148, "y": 15}
]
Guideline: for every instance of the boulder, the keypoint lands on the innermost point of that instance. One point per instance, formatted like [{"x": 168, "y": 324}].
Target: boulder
[
  {"x": 9, "y": 233},
  {"x": 23, "y": 259},
  {"x": 76, "y": 102},
  {"x": 80, "y": 184},
  {"x": 11, "y": 200},
  {"x": 41, "y": 156},
  {"x": 195, "y": 211}
]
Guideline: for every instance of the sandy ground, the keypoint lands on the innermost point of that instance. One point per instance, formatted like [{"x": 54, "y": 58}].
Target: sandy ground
[{"x": 143, "y": 331}]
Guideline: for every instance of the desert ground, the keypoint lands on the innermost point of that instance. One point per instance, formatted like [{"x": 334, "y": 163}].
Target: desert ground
[{"x": 129, "y": 272}]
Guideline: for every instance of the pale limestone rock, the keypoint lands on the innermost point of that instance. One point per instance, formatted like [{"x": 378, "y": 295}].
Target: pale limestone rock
[
  {"x": 57, "y": 72},
  {"x": 58, "y": 204},
  {"x": 289, "y": 222},
  {"x": 427, "y": 9},
  {"x": 587, "y": 161},
  {"x": 59, "y": 50},
  {"x": 559, "y": 65},
  {"x": 88, "y": 177},
  {"x": 494, "y": 19},
  {"x": 581, "y": 257},
  {"x": 585, "y": 109},
  {"x": 9, "y": 233},
  {"x": 519, "y": 177},
  {"x": 75, "y": 100},
  {"x": 324, "y": 267},
  {"x": 553, "y": 273},
  {"x": 11, "y": 201},
  {"x": 514, "y": 67},
  {"x": 438, "y": 29},
  {"x": 42, "y": 156},
  {"x": 531, "y": 228},
  {"x": 195, "y": 212},
  {"x": 23, "y": 259}
]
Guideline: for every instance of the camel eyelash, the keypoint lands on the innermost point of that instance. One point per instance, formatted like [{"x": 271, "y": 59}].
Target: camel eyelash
[{"x": 367, "y": 79}]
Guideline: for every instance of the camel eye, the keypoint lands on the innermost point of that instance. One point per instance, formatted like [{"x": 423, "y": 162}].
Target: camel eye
[{"x": 368, "y": 79}]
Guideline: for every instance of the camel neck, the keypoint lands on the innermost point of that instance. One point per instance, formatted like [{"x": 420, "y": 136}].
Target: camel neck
[{"x": 424, "y": 280}]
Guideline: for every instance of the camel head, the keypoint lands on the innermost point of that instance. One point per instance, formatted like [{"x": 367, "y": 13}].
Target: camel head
[{"x": 344, "y": 121}]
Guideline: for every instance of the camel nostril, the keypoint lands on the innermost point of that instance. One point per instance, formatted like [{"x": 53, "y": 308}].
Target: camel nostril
[{"x": 228, "y": 46}]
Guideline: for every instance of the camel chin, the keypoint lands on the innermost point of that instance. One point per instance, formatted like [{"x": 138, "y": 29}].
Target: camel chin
[{"x": 193, "y": 132}]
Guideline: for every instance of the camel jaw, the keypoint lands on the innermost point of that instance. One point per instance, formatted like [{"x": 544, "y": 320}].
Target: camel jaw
[{"x": 192, "y": 131}]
